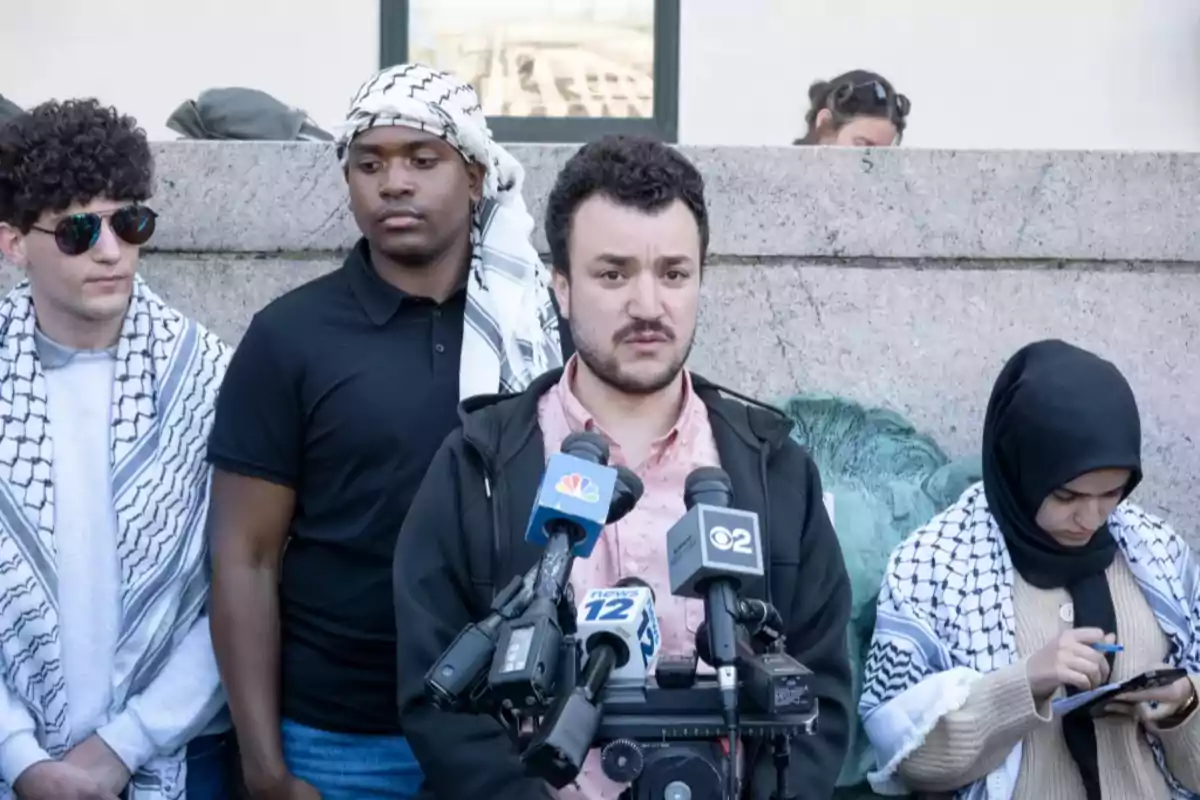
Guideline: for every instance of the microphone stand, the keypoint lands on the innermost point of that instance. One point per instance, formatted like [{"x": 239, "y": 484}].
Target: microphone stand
[{"x": 781, "y": 754}]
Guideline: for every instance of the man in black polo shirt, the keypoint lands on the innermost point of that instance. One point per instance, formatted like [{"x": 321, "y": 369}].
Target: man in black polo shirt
[{"x": 334, "y": 403}]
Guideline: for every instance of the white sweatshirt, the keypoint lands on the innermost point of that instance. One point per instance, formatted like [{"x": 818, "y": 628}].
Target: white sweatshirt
[{"x": 183, "y": 699}]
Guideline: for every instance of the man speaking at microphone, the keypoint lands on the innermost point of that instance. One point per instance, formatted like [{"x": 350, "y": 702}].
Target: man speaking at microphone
[{"x": 627, "y": 227}]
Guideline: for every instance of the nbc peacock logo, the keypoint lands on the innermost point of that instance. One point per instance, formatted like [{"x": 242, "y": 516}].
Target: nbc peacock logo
[{"x": 578, "y": 486}]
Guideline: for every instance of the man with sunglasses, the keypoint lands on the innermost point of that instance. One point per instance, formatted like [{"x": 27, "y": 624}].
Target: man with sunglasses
[
  {"x": 106, "y": 397},
  {"x": 335, "y": 402}
]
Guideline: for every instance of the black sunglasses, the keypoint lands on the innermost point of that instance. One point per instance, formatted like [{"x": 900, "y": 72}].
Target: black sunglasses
[
  {"x": 78, "y": 233},
  {"x": 872, "y": 96}
]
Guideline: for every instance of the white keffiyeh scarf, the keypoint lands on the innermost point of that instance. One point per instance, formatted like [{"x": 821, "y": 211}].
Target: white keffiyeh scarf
[
  {"x": 511, "y": 333},
  {"x": 945, "y": 618},
  {"x": 167, "y": 373}
]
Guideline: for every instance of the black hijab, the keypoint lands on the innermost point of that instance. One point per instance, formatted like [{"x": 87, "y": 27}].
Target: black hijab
[{"x": 1058, "y": 412}]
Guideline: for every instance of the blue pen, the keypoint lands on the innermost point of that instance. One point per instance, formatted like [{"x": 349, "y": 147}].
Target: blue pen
[{"x": 1109, "y": 648}]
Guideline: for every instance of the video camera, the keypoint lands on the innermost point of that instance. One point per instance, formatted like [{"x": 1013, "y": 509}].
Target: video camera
[
  {"x": 592, "y": 677},
  {"x": 508, "y": 662}
]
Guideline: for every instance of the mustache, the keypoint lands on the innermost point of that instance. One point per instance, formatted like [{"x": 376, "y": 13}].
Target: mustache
[{"x": 643, "y": 326}]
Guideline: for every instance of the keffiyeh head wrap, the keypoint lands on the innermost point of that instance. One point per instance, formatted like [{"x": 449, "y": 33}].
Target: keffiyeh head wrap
[
  {"x": 417, "y": 96},
  {"x": 511, "y": 334}
]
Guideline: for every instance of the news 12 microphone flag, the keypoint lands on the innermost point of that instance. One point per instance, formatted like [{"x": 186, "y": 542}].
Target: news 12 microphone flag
[{"x": 628, "y": 614}]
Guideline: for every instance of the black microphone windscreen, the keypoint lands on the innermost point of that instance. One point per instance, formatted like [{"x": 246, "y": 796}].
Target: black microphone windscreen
[
  {"x": 588, "y": 445},
  {"x": 626, "y": 493},
  {"x": 634, "y": 580},
  {"x": 710, "y": 485},
  {"x": 704, "y": 647},
  {"x": 631, "y": 481}
]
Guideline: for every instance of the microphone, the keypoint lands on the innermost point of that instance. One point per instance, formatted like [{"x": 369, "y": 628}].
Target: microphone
[
  {"x": 571, "y": 508},
  {"x": 619, "y": 624},
  {"x": 761, "y": 619},
  {"x": 634, "y": 580},
  {"x": 711, "y": 550},
  {"x": 745, "y": 649},
  {"x": 757, "y": 618},
  {"x": 618, "y": 631},
  {"x": 578, "y": 496},
  {"x": 626, "y": 493}
]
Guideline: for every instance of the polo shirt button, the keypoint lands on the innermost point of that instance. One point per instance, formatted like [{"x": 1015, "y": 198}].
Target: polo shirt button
[{"x": 441, "y": 348}]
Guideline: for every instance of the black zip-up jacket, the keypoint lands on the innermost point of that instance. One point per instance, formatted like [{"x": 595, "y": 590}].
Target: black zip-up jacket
[{"x": 465, "y": 536}]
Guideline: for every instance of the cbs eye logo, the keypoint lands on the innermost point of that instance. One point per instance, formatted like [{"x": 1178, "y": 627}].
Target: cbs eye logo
[{"x": 731, "y": 541}]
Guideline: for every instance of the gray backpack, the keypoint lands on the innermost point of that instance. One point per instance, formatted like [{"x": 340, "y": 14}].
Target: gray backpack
[{"x": 234, "y": 113}]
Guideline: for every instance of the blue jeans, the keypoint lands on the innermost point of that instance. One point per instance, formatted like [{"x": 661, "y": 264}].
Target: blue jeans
[
  {"x": 209, "y": 759},
  {"x": 351, "y": 766}
]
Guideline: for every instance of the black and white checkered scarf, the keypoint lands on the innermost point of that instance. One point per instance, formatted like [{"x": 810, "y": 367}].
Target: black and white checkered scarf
[
  {"x": 945, "y": 618},
  {"x": 168, "y": 370},
  {"x": 511, "y": 333}
]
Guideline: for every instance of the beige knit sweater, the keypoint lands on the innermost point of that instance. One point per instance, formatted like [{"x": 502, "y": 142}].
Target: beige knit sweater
[{"x": 969, "y": 743}]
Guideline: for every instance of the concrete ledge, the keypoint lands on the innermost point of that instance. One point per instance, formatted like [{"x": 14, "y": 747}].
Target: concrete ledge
[
  {"x": 764, "y": 202},
  {"x": 927, "y": 343},
  {"x": 902, "y": 278}
]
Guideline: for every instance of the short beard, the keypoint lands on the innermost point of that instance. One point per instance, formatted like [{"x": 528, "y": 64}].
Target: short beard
[{"x": 609, "y": 371}]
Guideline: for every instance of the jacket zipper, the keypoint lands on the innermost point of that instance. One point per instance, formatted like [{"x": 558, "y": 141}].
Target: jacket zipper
[
  {"x": 494, "y": 506},
  {"x": 754, "y": 751},
  {"x": 766, "y": 523}
]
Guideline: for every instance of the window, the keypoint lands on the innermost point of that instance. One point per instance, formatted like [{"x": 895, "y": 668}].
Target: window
[{"x": 549, "y": 70}]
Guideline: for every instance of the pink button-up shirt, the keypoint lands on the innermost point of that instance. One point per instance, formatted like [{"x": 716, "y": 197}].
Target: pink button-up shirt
[{"x": 637, "y": 545}]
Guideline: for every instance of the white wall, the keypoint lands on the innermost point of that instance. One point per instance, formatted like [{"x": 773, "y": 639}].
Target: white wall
[
  {"x": 132, "y": 53},
  {"x": 1079, "y": 74}
]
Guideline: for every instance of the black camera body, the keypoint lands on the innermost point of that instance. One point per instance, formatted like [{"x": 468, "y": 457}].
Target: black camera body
[{"x": 666, "y": 737}]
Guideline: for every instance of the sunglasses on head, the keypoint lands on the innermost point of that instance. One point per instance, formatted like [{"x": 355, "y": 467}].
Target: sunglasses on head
[
  {"x": 872, "y": 96},
  {"x": 78, "y": 233}
]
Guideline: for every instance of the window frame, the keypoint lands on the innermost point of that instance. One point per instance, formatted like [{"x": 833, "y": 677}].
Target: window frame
[{"x": 393, "y": 49}]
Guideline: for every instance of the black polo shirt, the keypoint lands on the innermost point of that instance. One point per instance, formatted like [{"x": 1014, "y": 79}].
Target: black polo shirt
[{"x": 343, "y": 390}]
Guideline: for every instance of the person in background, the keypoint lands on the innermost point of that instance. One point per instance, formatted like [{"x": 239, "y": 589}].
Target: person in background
[
  {"x": 110, "y": 687},
  {"x": 337, "y": 398},
  {"x": 1019, "y": 594},
  {"x": 628, "y": 229},
  {"x": 856, "y": 109}
]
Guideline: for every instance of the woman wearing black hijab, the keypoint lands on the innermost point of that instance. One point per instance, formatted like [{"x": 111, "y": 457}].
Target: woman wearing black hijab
[{"x": 1005, "y": 602}]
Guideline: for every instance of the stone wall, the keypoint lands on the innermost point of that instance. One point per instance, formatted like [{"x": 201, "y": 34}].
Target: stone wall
[{"x": 902, "y": 278}]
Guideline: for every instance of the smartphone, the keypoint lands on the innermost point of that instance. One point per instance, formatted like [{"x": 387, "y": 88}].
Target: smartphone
[
  {"x": 1152, "y": 680},
  {"x": 1094, "y": 701}
]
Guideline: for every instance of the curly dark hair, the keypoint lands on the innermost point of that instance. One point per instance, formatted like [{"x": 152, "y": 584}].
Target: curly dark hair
[
  {"x": 75, "y": 151},
  {"x": 630, "y": 170}
]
